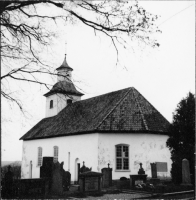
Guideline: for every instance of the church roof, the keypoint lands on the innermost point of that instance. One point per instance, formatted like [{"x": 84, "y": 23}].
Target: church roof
[
  {"x": 123, "y": 111},
  {"x": 64, "y": 87}
]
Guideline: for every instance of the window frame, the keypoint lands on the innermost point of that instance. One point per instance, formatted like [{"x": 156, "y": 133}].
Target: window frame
[
  {"x": 55, "y": 156},
  {"x": 69, "y": 101},
  {"x": 122, "y": 170},
  {"x": 39, "y": 156}
]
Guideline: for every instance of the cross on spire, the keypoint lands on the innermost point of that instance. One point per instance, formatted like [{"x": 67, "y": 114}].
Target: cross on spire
[{"x": 65, "y": 47}]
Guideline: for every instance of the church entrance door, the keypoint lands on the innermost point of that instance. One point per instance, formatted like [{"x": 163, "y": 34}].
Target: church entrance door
[{"x": 77, "y": 170}]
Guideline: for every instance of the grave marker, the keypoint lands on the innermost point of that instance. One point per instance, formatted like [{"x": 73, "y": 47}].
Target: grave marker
[
  {"x": 186, "y": 180},
  {"x": 107, "y": 176},
  {"x": 90, "y": 181}
]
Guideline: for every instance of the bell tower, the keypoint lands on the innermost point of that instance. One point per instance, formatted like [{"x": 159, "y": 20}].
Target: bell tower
[{"x": 63, "y": 92}]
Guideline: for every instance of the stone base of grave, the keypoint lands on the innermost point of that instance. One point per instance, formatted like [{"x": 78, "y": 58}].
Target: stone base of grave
[
  {"x": 137, "y": 179},
  {"x": 74, "y": 188},
  {"x": 90, "y": 181},
  {"x": 155, "y": 181}
]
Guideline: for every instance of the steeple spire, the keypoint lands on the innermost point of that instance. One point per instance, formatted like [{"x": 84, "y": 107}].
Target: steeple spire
[
  {"x": 65, "y": 65},
  {"x": 64, "y": 71},
  {"x": 65, "y": 47}
]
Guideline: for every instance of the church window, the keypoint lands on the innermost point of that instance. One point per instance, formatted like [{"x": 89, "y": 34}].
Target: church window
[
  {"x": 122, "y": 157},
  {"x": 69, "y": 101},
  {"x": 68, "y": 75},
  {"x": 56, "y": 154},
  {"x": 39, "y": 162},
  {"x": 51, "y": 104}
]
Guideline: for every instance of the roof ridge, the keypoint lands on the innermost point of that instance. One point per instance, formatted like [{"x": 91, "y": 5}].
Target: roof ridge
[
  {"x": 114, "y": 107},
  {"x": 145, "y": 124}
]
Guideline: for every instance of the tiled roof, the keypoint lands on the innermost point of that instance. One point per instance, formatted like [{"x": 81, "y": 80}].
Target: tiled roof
[
  {"x": 64, "y": 87},
  {"x": 117, "y": 112}
]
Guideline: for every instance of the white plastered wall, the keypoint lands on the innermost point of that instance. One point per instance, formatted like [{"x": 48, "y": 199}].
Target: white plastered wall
[
  {"x": 97, "y": 150},
  {"x": 59, "y": 102},
  {"x": 53, "y": 111},
  {"x": 81, "y": 148},
  {"x": 143, "y": 148}
]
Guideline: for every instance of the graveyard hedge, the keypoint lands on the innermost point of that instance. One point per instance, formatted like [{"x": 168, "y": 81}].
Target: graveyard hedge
[{"x": 181, "y": 141}]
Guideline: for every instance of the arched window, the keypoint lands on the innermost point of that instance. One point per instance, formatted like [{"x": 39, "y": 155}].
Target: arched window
[
  {"x": 69, "y": 101},
  {"x": 56, "y": 154},
  {"x": 122, "y": 157},
  {"x": 51, "y": 104},
  {"x": 39, "y": 161}
]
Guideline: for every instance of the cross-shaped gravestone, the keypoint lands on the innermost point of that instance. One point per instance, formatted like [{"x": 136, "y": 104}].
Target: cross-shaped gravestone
[
  {"x": 108, "y": 165},
  {"x": 141, "y": 170}
]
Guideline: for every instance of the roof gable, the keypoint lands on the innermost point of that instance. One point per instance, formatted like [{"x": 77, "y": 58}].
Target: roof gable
[
  {"x": 120, "y": 111},
  {"x": 134, "y": 113}
]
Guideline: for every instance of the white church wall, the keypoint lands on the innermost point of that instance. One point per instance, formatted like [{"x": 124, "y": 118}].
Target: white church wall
[
  {"x": 97, "y": 150},
  {"x": 81, "y": 148},
  {"x": 59, "y": 102},
  {"x": 143, "y": 148},
  {"x": 51, "y": 111}
]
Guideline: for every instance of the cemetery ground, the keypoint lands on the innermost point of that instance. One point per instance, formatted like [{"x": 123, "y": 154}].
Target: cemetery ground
[
  {"x": 55, "y": 183},
  {"x": 164, "y": 190},
  {"x": 171, "y": 191}
]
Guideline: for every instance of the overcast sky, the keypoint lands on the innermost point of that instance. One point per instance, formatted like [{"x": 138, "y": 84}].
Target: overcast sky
[{"x": 163, "y": 75}]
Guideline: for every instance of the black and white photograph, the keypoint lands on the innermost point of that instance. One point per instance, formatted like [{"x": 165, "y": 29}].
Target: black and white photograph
[{"x": 97, "y": 99}]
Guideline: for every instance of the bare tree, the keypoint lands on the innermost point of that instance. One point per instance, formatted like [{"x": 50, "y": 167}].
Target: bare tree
[{"x": 24, "y": 34}]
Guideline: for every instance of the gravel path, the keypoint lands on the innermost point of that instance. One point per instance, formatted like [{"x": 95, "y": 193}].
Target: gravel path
[{"x": 123, "y": 195}]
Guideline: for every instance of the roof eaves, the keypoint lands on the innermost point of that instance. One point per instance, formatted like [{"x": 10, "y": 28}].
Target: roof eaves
[
  {"x": 62, "y": 92},
  {"x": 100, "y": 131},
  {"x": 43, "y": 120},
  {"x": 63, "y": 67}
]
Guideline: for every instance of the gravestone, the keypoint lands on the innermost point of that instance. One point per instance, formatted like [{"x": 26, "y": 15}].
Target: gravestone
[
  {"x": 57, "y": 179},
  {"x": 138, "y": 178},
  {"x": 66, "y": 180},
  {"x": 141, "y": 170},
  {"x": 84, "y": 168},
  {"x": 154, "y": 170},
  {"x": 46, "y": 168},
  {"x": 8, "y": 182},
  {"x": 186, "y": 180},
  {"x": 60, "y": 179},
  {"x": 90, "y": 181},
  {"x": 154, "y": 180},
  {"x": 107, "y": 176}
]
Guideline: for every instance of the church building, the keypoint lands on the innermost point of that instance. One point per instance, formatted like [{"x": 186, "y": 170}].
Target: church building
[{"x": 120, "y": 128}]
